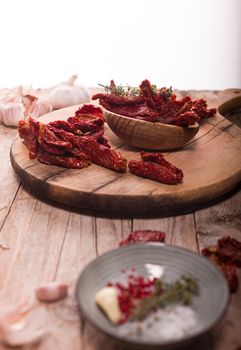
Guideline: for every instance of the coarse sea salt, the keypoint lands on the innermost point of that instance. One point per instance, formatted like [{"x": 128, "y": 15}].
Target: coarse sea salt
[{"x": 171, "y": 323}]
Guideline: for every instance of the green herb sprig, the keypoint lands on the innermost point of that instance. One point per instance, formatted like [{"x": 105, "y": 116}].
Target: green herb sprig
[{"x": 181, "y": 291}]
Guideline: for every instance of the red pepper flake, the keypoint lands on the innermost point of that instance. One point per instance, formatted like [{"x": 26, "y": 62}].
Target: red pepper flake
[{"x": 136, "y": 288}]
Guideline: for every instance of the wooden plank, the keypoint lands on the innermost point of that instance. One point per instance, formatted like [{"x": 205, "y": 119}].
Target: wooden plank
[
  {"x": 36, "y": 233},
  {"x": 180, "y": 230},
  {"x": 79, "y": 247},
  {"x": 9, "y": 181},
  {"x": 108, "y": 235},
  {"x": 212, "y": 223}
]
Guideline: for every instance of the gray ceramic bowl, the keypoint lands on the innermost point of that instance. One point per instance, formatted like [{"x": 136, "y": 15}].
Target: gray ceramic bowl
[{"x": 209, "y": 306}]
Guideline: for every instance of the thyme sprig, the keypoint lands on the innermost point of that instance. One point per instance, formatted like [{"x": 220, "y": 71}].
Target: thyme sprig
[
  {"x": 128, "y": 91},
  {"x": 181, "y": 291},
  {"x": 121, "y": 90}
]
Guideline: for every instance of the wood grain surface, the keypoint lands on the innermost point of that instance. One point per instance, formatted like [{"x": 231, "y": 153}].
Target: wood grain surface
[
  {"x": 148, "y": 135},
  {"x": 211, "y": 164},
  {"x": 42, "y": 242}
]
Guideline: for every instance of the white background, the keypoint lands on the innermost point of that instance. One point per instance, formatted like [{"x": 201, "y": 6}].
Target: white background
[{"x": 183, "y": 43}]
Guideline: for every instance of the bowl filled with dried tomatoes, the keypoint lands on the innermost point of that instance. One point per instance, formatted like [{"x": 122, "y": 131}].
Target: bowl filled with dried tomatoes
[{"x": 152, "y": 118}]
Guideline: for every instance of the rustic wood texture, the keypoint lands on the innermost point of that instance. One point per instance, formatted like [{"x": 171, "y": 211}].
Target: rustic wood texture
[
  {"x": 211, "y": 163},
  {"x": 40, "y": 242}
]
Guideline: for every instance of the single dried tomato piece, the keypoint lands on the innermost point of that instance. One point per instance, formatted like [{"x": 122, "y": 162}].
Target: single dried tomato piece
[
  {"x": 200, "y": 107},
  {"x": 64, "y": 135},
  {"x": 159, "y": 159},
  {"x": 33, "y": 138},
  {"x": 63, "y": 161},
  {"x": 102, "y": 155},
  {"x": 229, "y": 270},
  {"x": 84, "y": 126},
  {"x": 229, "y": 250},
  {"x": 143, "y": 236},
  {"x": 139, "y": 111},
  {"x": 45, "y": 134},
  {"x": 23, "y": 130},
  {"x": 149, "y": 95},
  {"x": 153, "y": 171},
  {"x": 184, "y": 119},
  {"x": 61, "y": 124},
  {"x": 79, "y": 154},
  {"x": 99, "y": 137},
  {"x": 113, "y": 99},
  {"x": 89, "y": 109},
  {"x": 52, "y": 149}
]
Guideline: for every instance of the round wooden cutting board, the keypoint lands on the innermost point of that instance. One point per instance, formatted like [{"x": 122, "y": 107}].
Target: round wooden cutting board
[{"x": 211, "y": 164}]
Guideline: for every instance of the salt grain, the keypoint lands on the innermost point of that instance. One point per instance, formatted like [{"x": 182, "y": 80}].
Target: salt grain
[{"x": 172, "y": 323}]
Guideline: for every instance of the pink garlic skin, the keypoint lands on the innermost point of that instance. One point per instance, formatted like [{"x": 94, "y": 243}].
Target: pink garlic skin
[
  {"x": 52, "y": 292},
  {"x": 22, "y": 326},
  {"x": 11, "y": 113},
  {"x": 34, "y": 106},
  {"x": 11, "y": 95}
]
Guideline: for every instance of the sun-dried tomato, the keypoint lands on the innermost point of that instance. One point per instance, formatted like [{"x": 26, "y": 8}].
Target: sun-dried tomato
[
  {"x": 119, "y": 100},
  {"x": 229, "y": 270},
  {"x": 55, "y": 150},
  {"x": 46, "y": 135},
  {"x": 60, "y": 144},
  {"x": 102, "y": 155},
  {"x": 64, "y": 135},
  {"x": 61, "y": 124},
  {"x": 156, "y": 106},
  {"x": 89, "y": 109},
  {"x": 229, "y": 250},
  {"x": 200, "y": 107},
  {"x": 143, "y": 236},
  {"x": 23, "y": 130},
  {"x": 63, "y": 161},
  {"x": 159, "y": 159},
  {"x": 153, "y": 171},
  {"x": 83, "y": 126},
  {"x": 99, "y": 137},
  {"x": 33, "y": 138}
]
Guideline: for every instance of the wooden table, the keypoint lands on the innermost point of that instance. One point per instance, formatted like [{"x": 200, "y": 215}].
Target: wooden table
[{"x": 41, "y": 242}]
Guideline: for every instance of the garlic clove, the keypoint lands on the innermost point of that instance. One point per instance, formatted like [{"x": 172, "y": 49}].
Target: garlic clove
[
  {"x": 52, "y": 292},
  {"x": 23, "y": 338},
  {"x": 14, "y": 319},
  {"x": 35, "y": 106},
  {"x": 23, "y": 327},
  {"x": 107, "y": 299}
]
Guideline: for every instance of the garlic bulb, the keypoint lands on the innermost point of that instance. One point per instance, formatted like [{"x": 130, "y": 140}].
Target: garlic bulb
[
  {"x": 67, "y": 94},
  {"x": 52, "y": 292},
  {"x": 11, "y": 95},
  {"x": 107, "y": 300},
  {"x": 34, "y": 106},
  {"x": 11, "y": 113}
]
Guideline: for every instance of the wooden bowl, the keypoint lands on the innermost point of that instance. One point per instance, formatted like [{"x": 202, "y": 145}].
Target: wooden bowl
[{"x": 149, "y": 135}]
